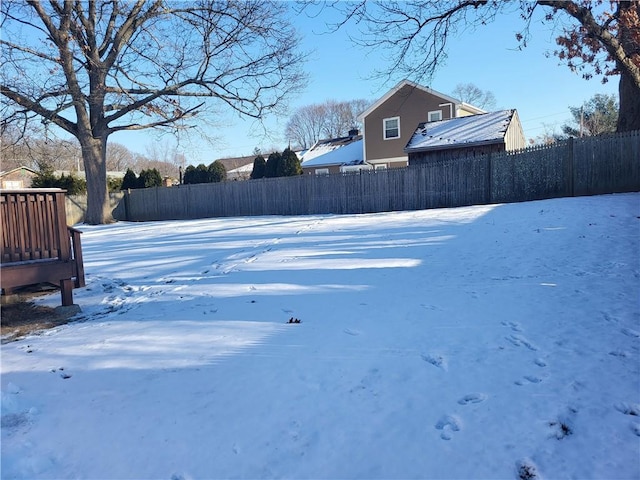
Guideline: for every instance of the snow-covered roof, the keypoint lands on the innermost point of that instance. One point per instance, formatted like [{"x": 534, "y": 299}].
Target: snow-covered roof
[
  {"x": 482, "y": 129},
  {"x": 243, "y": 169},
  {"x": 337, "y": 151}
]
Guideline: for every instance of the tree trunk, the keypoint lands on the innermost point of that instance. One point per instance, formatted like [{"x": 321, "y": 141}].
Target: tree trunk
[
  {"x": 94, "y": 156},
  {"x": 629, "y": 116}
]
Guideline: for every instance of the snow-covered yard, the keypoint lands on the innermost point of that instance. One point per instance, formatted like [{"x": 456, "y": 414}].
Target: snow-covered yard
[{"x": 494, "y": 341}]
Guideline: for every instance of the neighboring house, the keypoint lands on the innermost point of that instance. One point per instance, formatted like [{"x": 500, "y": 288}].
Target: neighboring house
[
  {"x": 390, "y": 122},
  {"x": 466, "y": 136},
  {"x": 16, "y": 178},
  {"x": 336, "y": 155},
  {"x": 239, "y": 168},
  {"x": 241, "y": 173}
]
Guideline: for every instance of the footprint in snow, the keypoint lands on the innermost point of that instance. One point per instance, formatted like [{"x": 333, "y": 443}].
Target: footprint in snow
[
  {"x": 448, "y": 424},
  {"x": 632, "y": 409},
  {"x": 351, "y": 332},
  {"x": 435, "y": 360},
  {"x": 528, "y": 379},
  {"x": 513, "y": 325},
  {"x": 472, "y": 398},
  {"x": 630, "y": 333},
  {"x": 64, "y": 375},
  {"x": 519, "y": 340}
]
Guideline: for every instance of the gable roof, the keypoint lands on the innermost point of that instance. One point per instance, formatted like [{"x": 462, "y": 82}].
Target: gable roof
[
  {"x": 403, "y": 83},
  {"x": 335, "y": 151},
  {"x": 482, "y": 129},
  {"x": 233, "y": 163},
  {"x": 18, "y": 169}
]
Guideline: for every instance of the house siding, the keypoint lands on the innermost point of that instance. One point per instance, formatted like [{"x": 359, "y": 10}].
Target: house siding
[
  {"x": 17, "y": 178},
  {"x": 514, "y": 137},
  {"x": 412, "y": 105},
  {"x": 312, "y": 170}
]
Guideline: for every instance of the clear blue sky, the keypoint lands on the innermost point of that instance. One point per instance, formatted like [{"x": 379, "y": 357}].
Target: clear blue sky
[{"x": 539, "y": 87}]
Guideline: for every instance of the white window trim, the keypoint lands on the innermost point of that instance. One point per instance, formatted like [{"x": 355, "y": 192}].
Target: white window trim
[
  {"x": 322, "y": 171},
  {"x": 439, "y": 112},
  {"x": 384, "y": 128},
  {"x": 380, "y": 166}
]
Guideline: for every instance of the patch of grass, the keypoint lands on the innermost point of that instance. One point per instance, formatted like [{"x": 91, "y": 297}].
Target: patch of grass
[{"x": 24, "y": 317}]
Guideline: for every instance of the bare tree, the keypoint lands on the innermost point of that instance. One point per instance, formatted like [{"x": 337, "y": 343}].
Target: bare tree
[
  {"x": 35, "y": 153},
  {"x": 473, "y": 95},
  {"x": 343, "y": 116},
  {"x": 93, "y": 68},
  {"x": 413, "y": 34},
  {"x": 304, "y": 128},
  {"x": 330, "y": 119},
  {"x": 119, "y": 157}
]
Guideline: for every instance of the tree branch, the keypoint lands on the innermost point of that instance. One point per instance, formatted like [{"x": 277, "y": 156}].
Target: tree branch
[{"x": 610, "y": 42}]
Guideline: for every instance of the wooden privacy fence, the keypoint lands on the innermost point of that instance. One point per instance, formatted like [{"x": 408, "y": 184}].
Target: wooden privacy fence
[
  {"x": 587, "y": 166},
  {"x": 37, "y": 245}
]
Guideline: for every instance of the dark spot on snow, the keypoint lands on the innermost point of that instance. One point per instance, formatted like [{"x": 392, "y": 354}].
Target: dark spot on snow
[
  {"x": 14, "y": 420},
  {"x": 562, "y": 429},
  {"x": 527, "y": 471}
]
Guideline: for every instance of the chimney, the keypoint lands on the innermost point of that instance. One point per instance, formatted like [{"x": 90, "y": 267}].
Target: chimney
[{"x": 354, "y": 132}]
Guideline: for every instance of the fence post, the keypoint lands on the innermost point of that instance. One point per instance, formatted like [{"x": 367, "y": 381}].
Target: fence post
[
  {"x": 489, "y": 184},
  {"x": 127, "y": 216},
  {"x": 570, "y": 166}
]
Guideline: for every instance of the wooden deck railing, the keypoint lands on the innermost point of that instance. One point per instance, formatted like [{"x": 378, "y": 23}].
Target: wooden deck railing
[{"x": 37, "y": 244}]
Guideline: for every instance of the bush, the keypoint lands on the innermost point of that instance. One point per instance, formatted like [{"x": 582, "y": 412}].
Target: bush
[
  {"x": 259, "y": 167},
  {"x": 130, "y": 180},
  {"x": 114, "y": 184},
  {"x": 217, "y": 172},
  {"x": 193, "y": 175},
  {"x": 274, "y": 166},
  {"x": 72, "y": 184},
  {"x": 290, "y": 164},
  {"x": 149, "y": 178},
  {"x": 46, "y": 179}
]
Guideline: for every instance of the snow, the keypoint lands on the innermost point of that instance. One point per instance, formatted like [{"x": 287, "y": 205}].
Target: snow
[
  {"x": 326, "y": 155},
  {"x": 484, "y": 128},
  {"x": 497, "y": 341}
]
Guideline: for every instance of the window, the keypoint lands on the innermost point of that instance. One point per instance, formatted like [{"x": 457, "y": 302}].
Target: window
[
  {"x": 382, "y": 166},
  {"x": 391, "y": 128},
  {"x": 322, "y": 171},
  {"x": 435, "y": 116}
]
